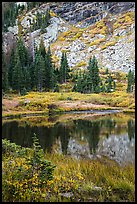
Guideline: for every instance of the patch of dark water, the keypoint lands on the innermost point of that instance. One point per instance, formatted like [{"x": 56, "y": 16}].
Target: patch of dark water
[{"x": 112, "y": 136}]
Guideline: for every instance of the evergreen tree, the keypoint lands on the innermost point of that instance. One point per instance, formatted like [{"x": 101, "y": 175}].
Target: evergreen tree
[
  {"x": 64, "y": 68},
  {"x": 109, "y": 84},
  {"x": 131, "y": 81},
  {"x": 102, "y": 87},
  {"x": 32, "y": 75},
  {"x": 94, "y": 74},
  {"x": 48, "y": 71},
  {"x": 17, "y": 76},
  {"x": 23, "y": 53},
  {"x": 67, "y": 69},
  {"x": 42, "y": 50},
  {"x": 4, "y": 73},
  {"x": 11, "y": 67},
  {"x": 38, "y": 71},
  {"x": 27, "y": 78},
  {"x": 106, "y": 72},
  {"x": 62, "y": 71},
  {"x": 114, "y": 85},
  {"x": 131, "y": 129}
]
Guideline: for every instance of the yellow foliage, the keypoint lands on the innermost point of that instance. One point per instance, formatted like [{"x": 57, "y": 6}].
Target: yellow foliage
[
  {"x": 100, "y": 24},
  {"x": 55, "y": 58},
  {"x": 52, "y": 13},
  {"x": 82, "y": 63},
  {"x": 61, "y": 38},
  {"x": 110, "y": 43},
  {"x": 98, "y": 41},
  {"x": 124, "y": 20}
]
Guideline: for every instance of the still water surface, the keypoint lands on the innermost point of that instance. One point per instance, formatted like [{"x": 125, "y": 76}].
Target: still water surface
[{"x": 86, "y": 137}]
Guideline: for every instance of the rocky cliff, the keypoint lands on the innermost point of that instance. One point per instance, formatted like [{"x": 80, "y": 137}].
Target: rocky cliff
[
  {"x": 84, "y": 29},
  {"x": 83, "y": 14}
]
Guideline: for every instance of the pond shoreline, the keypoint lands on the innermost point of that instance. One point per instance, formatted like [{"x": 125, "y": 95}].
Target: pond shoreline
[{"x": 95, "y": 112}]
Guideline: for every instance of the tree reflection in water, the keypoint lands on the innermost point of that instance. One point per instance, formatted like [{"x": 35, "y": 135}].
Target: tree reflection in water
[
  {"x": 131, "y": 129},
  {"x": 86, "y": 131}
]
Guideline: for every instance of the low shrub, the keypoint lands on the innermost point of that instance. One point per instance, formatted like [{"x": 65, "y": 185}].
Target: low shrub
[{"x": 29, "y": 173}]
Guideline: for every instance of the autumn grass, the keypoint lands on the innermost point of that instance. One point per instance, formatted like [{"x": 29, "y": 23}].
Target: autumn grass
[
  {"x": 46, "y": 102},
  {"x": 66, "y": 100},
  {"x": 105, "y": 174},
  {"x": 99, "y": 179}
]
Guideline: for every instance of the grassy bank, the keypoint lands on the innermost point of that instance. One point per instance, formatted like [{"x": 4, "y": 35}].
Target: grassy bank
[
  {"x": 73, "y": 180},
  {"x": 48, "y": 102}
]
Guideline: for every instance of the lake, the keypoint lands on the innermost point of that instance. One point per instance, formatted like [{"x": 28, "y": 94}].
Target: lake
[{"x": 82, "y": 135}]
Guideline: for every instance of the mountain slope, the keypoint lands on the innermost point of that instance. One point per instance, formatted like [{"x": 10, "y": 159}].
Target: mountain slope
[{"x": 110, "y": 36}]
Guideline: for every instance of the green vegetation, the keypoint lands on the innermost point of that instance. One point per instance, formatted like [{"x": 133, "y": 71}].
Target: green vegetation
[
  {"x": 32, "y": 85},
  {"x": 29, "y": 173},
  {"x": 64, "y": 69},
  {"x": 33, "y": 178},
  {"x": 91, "y": 82},
  {"x": 10, "y": 12},
  {"x": 41, "y": 22},
  {"x": 131, "y": 81}
]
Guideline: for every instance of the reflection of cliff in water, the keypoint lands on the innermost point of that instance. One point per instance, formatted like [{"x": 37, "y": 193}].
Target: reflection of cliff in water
[
  {"x": 79, "y": 137},
  {"x": 119, "y": 148}
]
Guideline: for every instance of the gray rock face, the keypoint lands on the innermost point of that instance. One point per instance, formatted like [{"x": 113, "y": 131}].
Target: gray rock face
[
  {"x": 77, "y": 45},
  {"x": 121, "y": 56},
  {"x": 56, "y": 25},
  {"x": 90, "y": 12}
]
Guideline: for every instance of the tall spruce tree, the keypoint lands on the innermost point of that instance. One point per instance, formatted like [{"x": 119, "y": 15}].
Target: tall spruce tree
[
  {"x": 11, "y": 66},
  {"x": 42, "y": 48},
  {"x": 64, "y": 68},
  {"x": 4, "y": 73},
  {"x": 40, "y": 73},
  {"x": 17, "y": 76},
  {"x": 109, "y": 86},
  {"x": 94, "y": 75},
  {"x": 49, "y": 71},
  {"x": 131, "y": 81}
]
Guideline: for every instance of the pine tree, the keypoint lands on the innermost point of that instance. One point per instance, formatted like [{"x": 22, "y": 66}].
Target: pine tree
[
  {"x": 106, "y": 71},
  {"x": 17, "y": 77},
  {"x": 114, "y": 85},
  {"x": 64, "y": 68},
  {"x": 94, "y": 74},
  {"x": 38, "y": 71},
  {"x": 79, "y": 84},
  {"x": 102, "y": 87},
  {"x": 109, "y": 84},
  {"x": 4, "y": 73},
  {"x": 42, "y": 48},
  {"x": 50, "y": 79},
  {"x": 62, "y": 72},
  {"x": 25, "y": 64},
  {"x": 131, "y": 81},
  {"x": 11, "y": 67}
]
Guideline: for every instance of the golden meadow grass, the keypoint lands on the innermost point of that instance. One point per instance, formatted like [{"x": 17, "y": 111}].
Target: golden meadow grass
[{"x": 80, "y": 177}]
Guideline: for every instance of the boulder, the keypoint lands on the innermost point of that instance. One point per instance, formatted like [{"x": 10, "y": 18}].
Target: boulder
[{"x": 13, "y": 30}]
